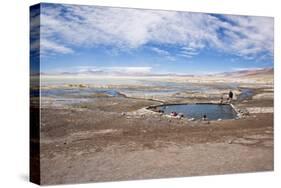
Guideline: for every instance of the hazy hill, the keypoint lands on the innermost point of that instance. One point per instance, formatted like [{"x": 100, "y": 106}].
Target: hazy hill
[{"x": 236, "y": 74}]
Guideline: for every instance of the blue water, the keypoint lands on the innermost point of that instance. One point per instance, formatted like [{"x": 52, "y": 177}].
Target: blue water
[
  {"x": 212, "y": 111},
  {"x": 245, "y": 94},
  {"x": 130, "y": 85},
  {"x": 77, "y": 92}
]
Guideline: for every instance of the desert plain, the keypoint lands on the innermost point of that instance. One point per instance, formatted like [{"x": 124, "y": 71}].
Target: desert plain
[{"x": 104, "y": 129}]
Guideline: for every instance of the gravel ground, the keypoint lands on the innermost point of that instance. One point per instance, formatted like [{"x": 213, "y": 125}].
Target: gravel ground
[{"x": 109, "y": 140}]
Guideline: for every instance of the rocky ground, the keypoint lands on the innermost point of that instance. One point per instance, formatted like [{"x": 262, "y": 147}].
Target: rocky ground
[{"x": 116, "y": 138}]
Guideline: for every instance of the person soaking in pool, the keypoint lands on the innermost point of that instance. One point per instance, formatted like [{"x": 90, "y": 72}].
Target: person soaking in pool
[
  {"x": 204, "y": 117},
  {"x": 230, "y": 96}
]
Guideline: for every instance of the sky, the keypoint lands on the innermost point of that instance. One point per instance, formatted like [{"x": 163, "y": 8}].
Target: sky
[{"x": 77, "y": 38}]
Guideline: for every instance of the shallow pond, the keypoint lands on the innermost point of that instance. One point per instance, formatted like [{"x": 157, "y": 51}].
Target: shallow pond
[
  {"x": 78, "y": 92},
  {"x": 197, "y": 111},
  {"x": 245, "y": 94}
]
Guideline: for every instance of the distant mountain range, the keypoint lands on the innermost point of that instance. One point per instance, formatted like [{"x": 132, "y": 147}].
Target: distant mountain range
[
  {"x": 110, "y": 73},
  {"x": 248, "y": 73},
  {"x": 241, "y": 73}
]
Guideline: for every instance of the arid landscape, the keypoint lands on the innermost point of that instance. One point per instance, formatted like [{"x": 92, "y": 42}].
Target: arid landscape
[
  {"x": 128, "y": 94},
  {"x": 104, "y": 131}
]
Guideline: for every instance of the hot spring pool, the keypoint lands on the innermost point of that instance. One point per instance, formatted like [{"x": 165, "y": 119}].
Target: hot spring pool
[{"x": 197, "y": 111}]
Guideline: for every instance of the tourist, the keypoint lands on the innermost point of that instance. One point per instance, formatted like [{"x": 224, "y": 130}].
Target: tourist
[
  {"x": 230, "y": 96},
  {"x": 204, "y": 117},
  {"x": 180, "y": 115},
  {"x": 174, "y": 114}
]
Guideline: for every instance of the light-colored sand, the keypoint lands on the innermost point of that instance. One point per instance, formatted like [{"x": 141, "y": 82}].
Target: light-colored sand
[
  {"x": 255, "y": 110},
  {"x": 264, "y": 96}
]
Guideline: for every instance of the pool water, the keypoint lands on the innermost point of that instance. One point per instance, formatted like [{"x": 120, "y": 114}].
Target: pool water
[{"x": 197, "y": 111}]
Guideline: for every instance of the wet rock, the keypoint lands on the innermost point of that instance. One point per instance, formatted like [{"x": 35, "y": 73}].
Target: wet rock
[{"x": 243, "y": 112}]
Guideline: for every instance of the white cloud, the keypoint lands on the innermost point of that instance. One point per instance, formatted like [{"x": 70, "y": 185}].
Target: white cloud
[
  {"x": 51, "y": 46},
  {"x": 160, "y": 51},
  {"x": 246, "y": 69},
  {"x": 125, "y": 69},
  {"x": 88, "y": 26},
  {"x": 249, "y": 36},
  {"x": 130, "y": 69}
]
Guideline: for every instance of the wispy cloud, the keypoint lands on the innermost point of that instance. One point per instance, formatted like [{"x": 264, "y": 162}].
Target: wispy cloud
[
  {"x": 190, "y": 50},
  {"x": 249, "y": 36},
  {"x": 163, "y": 53},
  {"x": 67, "y": 26},
  {"x": 47, "y": 46}
]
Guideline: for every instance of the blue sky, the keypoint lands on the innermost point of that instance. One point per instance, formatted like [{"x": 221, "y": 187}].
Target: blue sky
[{"x": 90, "y": 38}]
